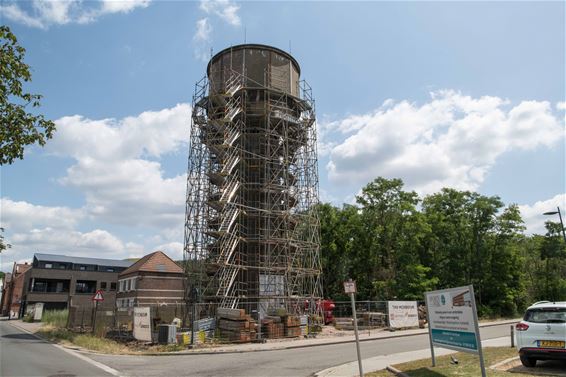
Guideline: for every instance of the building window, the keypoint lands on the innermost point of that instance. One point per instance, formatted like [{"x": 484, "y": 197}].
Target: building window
[
  {"x": 48, "y": 265},
  {"x": 82, "y": 268},
  {"x": 109, "y": 269},
  {"x": 103, "y": 285},
  {"x": 112, "y": 286},
  {"x": 133, "y": 284},
  {"x": 85, "y": 286}
]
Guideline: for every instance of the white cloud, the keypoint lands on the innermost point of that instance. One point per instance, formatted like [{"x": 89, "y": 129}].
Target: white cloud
[
  {"x": 451, "y": 141},
  {"x": 14, "y": 13},
  {"x": 121, "y": 185},
  {"x": 204, "y": 29},
  {"x": 44, "y": 13},
  {"x": 20, "y": 215},
  {"x": 225, "y": 9},
  {"x": 122, "y": 6},
  {"x": 533, "y": 213},
  {"x": 116, "y": 166},
  {"x": 173, "y": 249}
]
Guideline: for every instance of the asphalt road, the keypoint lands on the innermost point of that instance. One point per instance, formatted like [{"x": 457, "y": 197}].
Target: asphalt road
[
  {"x": 22, "y": 354},
  {"x": 292, "y": 362}
]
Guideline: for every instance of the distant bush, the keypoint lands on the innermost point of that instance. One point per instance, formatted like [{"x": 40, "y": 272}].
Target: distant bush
[
  {"x": 56, "y": 318},
  {"x": 28, "y": 318}
]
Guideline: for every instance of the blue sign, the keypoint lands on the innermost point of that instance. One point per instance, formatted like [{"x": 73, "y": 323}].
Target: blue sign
[{"x": 460, "y": 339}]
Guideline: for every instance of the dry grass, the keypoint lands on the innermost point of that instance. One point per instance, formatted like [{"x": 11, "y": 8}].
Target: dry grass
[{"x": 87, "y": 341}]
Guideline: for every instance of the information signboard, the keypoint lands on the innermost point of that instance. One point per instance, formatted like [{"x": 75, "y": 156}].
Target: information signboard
[
  {"x": 453, "y": 319},
  {"x": 402, "y": 314},
  {"x": 142, "y": 324}
]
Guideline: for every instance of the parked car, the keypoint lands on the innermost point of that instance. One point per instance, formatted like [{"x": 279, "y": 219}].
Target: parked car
[{"x": 541, "y": 335}]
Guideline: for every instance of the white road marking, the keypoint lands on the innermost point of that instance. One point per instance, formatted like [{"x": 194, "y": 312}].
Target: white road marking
[{"x": 105, "y": 368}]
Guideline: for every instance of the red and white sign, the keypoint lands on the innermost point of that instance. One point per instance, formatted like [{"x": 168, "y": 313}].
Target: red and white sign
[{"x": 98, "y": 296}]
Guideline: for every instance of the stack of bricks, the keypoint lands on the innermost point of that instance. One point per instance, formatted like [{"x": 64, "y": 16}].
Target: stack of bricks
[
  {"x": 272, "y": 327},
  {"x": 292, "y": 325},
  {"x": 235, "y": 325}
]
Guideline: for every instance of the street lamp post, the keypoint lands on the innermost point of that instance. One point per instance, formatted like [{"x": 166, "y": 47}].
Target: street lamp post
[{"x": 559, "y": 216}]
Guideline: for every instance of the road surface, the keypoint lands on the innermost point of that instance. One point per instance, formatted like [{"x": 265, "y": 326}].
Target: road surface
[
  {"x": 23, "y": 354},
  {"x": 291, "y": 362}
]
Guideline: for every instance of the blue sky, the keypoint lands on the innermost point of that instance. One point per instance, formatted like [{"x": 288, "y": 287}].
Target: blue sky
[{"x": 467, "y": 95}]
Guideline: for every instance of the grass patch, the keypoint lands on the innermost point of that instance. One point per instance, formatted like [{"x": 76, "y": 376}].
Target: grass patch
[
  {"x": 87, "y": 341},
  {"x": 468, "y": 365},
  {"x": 57, "y": 318}
]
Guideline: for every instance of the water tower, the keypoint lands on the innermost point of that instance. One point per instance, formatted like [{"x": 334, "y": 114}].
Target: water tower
[{"x": 251, "y": 229}]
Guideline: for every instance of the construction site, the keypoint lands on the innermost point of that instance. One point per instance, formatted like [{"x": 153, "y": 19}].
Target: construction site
[{"x": 251, "y": 227}]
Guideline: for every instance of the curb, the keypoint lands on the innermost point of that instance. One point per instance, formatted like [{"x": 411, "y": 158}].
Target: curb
[
  {"x": 212, "y": 352},
  {"x": 501, "y": 363},
  {"x": 396, "y": 371}
]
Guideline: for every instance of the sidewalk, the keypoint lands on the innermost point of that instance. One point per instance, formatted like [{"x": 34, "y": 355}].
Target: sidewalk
[
  {"x": 284, "y": 344},
  {"x": 381, "y": 362}
]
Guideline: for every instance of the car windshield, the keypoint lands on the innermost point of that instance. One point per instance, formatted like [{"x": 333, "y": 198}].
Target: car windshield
[{"x": 546, "y": 315}]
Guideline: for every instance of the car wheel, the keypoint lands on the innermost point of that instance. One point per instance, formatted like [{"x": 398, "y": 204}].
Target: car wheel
[{"x": 528, "y": 361}]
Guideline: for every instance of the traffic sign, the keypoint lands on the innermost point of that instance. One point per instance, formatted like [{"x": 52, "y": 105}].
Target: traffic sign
[
  {"x": 98, "y": 296},
  {"x": 350, "y": 286}
]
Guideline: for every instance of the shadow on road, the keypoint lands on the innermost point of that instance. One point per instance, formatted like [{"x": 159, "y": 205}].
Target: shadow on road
[{"x": 23, "y": 337}]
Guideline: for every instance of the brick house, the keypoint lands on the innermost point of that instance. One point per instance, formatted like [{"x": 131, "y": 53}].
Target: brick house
[
  {"x": 155, "y": 279},
  {"x": 4, "y": 306},
  {"x": 13, "y": 295}
]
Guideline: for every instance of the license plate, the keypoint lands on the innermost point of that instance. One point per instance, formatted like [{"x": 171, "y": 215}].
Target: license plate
[{"x": 551, "y": 344}]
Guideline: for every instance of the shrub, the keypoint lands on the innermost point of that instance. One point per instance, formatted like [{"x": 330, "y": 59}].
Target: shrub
[{"x": 57, "y": 318}]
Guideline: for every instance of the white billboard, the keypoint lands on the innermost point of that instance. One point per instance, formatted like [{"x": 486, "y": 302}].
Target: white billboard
[
  {"x": 453, "y": 319},
  {"x": 142, "y": 324},
  {"x": 403, "y": 314}
]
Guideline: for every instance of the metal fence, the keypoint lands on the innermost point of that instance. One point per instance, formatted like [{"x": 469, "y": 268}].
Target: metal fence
[{"x": 118, "y": 323}]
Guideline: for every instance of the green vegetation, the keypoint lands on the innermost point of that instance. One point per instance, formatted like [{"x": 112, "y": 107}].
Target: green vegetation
[
  {"x": 28, "y": 318},
  {"x": 398, "y": 245},
  {"x": 468, "y": 365},
  {"x": 57, "y": 318},
  {"x": 20, "y": 127},
  {"x": 87, "y": 341}
]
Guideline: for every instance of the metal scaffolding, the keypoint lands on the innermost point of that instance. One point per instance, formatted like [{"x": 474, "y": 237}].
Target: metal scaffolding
[{"x": 251, "y": 229}]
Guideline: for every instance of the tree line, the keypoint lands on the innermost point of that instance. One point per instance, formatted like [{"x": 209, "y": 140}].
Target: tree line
[{"x": 397, "y": 245}]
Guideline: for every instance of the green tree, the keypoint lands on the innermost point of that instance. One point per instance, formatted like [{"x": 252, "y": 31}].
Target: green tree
[
  {"x": 553, "y": 253},
  {"x": 19, "y": 127},
  {"x": 339, "y": 228},
  {"x": 389, "y": 244},
  {"x": 3, "y": 244}
]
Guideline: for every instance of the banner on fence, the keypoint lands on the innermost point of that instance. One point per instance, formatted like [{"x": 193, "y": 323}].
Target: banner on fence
[
  {"x": 403, "y": 314},
  {"x": 142, "y": 324}
]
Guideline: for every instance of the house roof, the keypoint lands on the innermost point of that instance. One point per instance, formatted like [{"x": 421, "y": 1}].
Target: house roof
[
  {"x": 157, "y": 261},
  {"x": 81, "y": 260}
]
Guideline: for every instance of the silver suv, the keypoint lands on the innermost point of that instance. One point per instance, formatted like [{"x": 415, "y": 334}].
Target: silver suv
[{"x": 541, "y": 335}]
